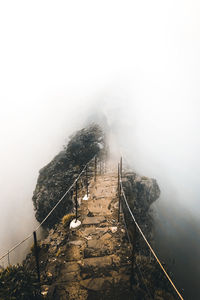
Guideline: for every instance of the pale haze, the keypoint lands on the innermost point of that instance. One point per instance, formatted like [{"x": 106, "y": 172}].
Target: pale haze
[{"x": 137, "y": 62}]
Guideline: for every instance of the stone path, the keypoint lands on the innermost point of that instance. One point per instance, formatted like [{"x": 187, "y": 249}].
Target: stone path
[{"x": 96, "y": 261}]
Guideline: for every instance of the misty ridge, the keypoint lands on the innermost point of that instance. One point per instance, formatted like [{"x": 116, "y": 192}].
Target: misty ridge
[
  {"x": 86, "y": 153},
  {"x": 173, "y": 221},
  {"x": 138, "y": 72}
]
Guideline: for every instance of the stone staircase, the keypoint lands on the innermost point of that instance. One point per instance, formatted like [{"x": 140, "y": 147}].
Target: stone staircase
[{"x": 96, "y": 262}]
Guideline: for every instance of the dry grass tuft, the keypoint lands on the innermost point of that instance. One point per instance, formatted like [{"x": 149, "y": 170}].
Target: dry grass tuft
[{"x": 67, "y": 219}]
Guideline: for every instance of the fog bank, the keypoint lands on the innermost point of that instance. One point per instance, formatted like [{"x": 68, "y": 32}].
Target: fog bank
[{"x": 137, "y": 62}]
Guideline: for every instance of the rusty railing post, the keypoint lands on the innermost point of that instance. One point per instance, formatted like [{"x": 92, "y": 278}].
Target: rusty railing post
[
  {"x": 86, "y": 173},
  {"x": 119, "y": 193},
  {"x": 118, "y": 179},
  {"x": 133, "y": 257},
  {"x": 8, "y": 258},
  {"x": 121, "y": 166},
  {"x": 36, "y": 255},
  {"x": 71, "y": 194},
  {"x": 132, "y": 269},
  {"x": 76, "y": 199},
  {"x": 95, "y": 169}
]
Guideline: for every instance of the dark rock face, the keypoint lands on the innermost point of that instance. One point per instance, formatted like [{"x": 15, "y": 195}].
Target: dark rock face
[
  {"x": 52, "y": 184},
  {"x": 141, "y": 191},
  {"x": 149, "y": 281},
  {"x": 55, "y": 178}
]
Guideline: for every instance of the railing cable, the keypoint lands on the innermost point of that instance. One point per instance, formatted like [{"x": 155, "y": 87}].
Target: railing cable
[
  {"x": 129, "y": 239},
  {"x": 148, "y": 244},
  {"x": 60, "y": 200}
]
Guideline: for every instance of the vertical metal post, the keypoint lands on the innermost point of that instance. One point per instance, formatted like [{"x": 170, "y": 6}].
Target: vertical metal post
[
  {"x": 133, "y": 257},
  {"x": 71, "y": 194},
  {"x": 121, "y": 166},
  {"x": 87, "y": 180},
  {"x": 8, "y": 258},
  {"x": 76, "y": 200},
  {"x": 119, "y": 193},
  {"x": 118, "y": 180},
  {"x": 132, "y": 268},
  {"x": 36, "y": 255},
  {"x": 95, "y": 169}
]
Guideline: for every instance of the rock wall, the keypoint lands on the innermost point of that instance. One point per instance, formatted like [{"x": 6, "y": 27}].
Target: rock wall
[
  {"x": 141, "y": 192},
  {"x": 149, "y": 281},
  {"x": 60, "y": 173}
]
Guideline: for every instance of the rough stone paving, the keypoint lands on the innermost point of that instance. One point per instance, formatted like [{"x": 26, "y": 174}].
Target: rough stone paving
[{"x": 94, "y": 263}]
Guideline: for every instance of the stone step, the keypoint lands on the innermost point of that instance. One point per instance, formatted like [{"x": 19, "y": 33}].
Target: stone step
[
  {"x": 105, "y": 283},
  {"x": 101, "y": 262},
  {"x": 96, "y": 262},
  {"x": 69, "y": 272},
  {"x": 97, "y": 284},
  {"x": 93, "y": 220},
  {"x": 100, "y": 247},
  {"x": 99, "y": 206},
  {"x": 93, "y": 230}
]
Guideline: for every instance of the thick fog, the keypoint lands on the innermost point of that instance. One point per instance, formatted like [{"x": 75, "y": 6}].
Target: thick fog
[{"x": 135, "y": 61}]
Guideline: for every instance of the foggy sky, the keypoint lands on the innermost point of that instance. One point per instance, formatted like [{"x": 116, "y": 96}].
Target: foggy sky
[{"x": 136, "y": 61}]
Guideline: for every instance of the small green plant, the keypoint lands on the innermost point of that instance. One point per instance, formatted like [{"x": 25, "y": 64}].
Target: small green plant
[{"x": 67, "y": 219}]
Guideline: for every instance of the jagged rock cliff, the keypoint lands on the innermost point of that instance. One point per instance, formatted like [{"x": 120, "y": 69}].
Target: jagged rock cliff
[
  {"x": 141, "y": 192},
  {"x": 149, "y": 281},
  {"x": 60, "y": 173}
]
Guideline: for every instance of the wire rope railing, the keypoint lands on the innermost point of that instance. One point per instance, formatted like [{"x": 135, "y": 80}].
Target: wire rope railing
[
  {"x": 129, "y": 240},
  {"x": 84, "y": 170},
  {"x": 122, "y": 197}
]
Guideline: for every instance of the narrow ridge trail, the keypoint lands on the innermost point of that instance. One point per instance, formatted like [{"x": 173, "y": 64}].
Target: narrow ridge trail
[{"x": 96, "y": 262}]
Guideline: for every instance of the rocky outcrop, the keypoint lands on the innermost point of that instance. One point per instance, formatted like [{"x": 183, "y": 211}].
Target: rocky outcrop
[
  {"x": 60, "y": 173},
  {"x": 141, "y": 192},
  {"x": 149, "y": 281}
]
